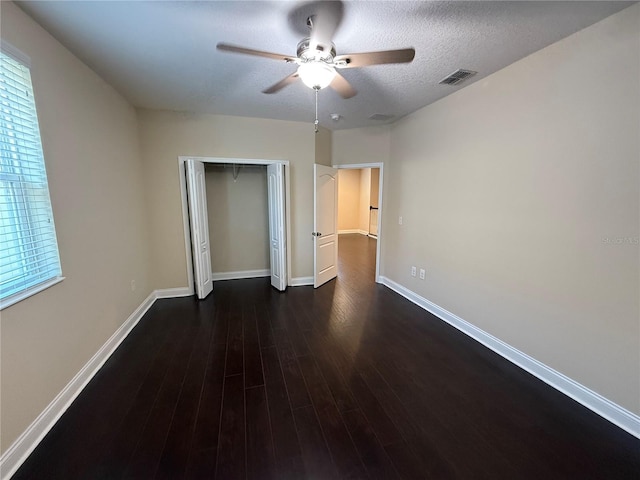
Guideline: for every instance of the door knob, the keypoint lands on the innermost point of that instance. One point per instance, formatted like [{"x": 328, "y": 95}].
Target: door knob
[{"x": 316, "y": 234}]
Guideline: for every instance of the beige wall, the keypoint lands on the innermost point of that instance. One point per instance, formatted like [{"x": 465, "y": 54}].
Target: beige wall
[
  {"x": 349, "y": 199},
  {"x": 375, "y": 187},
  {"x": 238, "y": 217},
  {"x": 90, "y": 143},
  {"x": 365, "y": 194},
  {"x": 357, "y": 190},
  {"x": 323, "y": 141},
  {"x": 166, "y": 135},
  {"x": 506, "y": 210},
  {"x": 361, "y": 145},
  {"x": 507, "y": 189}
]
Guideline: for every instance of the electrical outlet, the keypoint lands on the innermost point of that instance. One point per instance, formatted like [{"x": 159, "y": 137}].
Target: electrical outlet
[
  {"x": 400, "y": 220},
  {"x": 422, "y": 273},
  {"x": 133, "y": 285},
  {"x": 413, "y": 271}
]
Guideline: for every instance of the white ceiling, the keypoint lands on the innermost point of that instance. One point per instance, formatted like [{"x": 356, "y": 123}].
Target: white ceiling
[{"x": 162, "y": 55}]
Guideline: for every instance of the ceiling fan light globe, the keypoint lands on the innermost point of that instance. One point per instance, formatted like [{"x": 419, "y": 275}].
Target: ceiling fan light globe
[{"x": 316, "y": 74}]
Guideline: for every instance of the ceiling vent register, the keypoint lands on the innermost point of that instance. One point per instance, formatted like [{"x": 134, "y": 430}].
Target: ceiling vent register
[
  {"x": 457, "y": 77},
  {"x": 381, "y": 117}
]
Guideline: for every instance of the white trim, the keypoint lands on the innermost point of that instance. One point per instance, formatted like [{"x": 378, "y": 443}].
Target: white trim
[
  {"x": 182, "y": 175},
  {"x": 18, "y": 297},
  {"x": 353, "y": 230},
  {"x": 356, "y": 166},
  {"x": 15, "y": 53},
  {"x": 604, "y": 407},
  {"x": 18, "y": 452},
  {"x": 301, "y": 281},
  {"x": 229, "y": 160},
  {"x": 174, "y": 292},
  {"x": 379, "y": 238},
  {"x": 240, "y": 274}
]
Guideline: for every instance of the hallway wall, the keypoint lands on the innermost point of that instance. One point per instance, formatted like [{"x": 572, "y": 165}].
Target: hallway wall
[
  {"x": 357, "y": 190},
  {"x": 349, "y": 199}
]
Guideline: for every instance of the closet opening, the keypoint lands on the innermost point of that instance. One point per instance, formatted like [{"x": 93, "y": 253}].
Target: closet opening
[{"x": 236, "y": 220}]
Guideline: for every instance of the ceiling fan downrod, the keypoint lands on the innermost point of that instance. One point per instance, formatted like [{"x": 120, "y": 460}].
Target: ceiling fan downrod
[{"x": 316, "y": 122}]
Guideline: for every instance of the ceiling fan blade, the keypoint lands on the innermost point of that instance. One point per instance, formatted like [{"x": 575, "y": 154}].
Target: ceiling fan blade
[
  {"x": 282, "y": 83},
  {"x": 324, "y": 23},
  {"x": 353, "y": 60},
  {"x": 225, "y": 47},
  {"x": 342, "y": 86}
]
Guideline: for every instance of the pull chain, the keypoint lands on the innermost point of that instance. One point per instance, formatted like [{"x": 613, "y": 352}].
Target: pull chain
[{"x": 316, "y": 122}]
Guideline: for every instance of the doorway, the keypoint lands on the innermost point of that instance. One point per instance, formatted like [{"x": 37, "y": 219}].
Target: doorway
[
  {"x": 358, "y": 202},
  {"x": 223, "y": 215},
  {"x": 367, "y": 220}
]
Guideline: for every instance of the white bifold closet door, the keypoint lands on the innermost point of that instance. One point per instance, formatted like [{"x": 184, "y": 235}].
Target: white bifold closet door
[
  {"x": 277, "y": 234},
  {"x": 199, "y": 223}
]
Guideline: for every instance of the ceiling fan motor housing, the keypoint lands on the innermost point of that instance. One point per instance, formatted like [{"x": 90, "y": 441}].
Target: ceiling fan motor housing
[{"x": 322, "y": 52}]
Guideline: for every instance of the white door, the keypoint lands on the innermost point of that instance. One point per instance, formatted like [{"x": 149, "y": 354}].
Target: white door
[
  {"x": 277, "y": 234},
  {"x": 198, "y": 220},
  {"x": 325, "y": 223}
]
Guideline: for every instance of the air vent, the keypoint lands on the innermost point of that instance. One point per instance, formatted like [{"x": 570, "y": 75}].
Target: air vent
[
  {"x": 381, "y": 117},
  {"x": 457, "y": 77}
]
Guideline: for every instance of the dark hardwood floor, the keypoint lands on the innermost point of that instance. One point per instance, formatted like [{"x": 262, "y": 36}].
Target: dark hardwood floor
[{"x": 346, "y": 381}]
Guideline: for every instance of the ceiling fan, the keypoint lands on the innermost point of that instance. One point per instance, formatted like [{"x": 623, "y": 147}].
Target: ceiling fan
[{"x": 316, "y": 57}]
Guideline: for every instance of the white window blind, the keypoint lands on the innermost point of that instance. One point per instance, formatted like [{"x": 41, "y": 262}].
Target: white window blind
[{"x": 28, "y": 246}]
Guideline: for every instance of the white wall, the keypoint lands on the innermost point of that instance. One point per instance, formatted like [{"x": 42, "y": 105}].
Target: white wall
[
  {"x": 509, "y": 189},
  {"x": 238, "y": 217},
  {"x": 166, "y": 135},
  {"x": 90, "y": 143}
]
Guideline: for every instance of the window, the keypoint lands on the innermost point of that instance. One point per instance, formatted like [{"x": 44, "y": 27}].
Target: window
[{"x": 29, "y": 260}]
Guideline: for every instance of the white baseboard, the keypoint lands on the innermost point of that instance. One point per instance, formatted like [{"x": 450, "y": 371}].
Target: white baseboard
[
  {"x": 301, "y": 281},
  {"x": 241, "y": 274},
  {"x": 18, "y": 452},
  {"x": 604, "y": 407},
  {"x": 353, "y": 230},
  {"x": 173, "y": 292}
]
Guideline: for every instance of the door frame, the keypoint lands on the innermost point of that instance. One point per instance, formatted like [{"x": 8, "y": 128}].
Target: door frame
[
  {"x": 229, "y": 161},
  {"x": 380, "y": 165}
]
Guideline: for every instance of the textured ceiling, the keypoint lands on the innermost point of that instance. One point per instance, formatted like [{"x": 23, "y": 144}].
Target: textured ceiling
[{"x": 162, "y": 55}]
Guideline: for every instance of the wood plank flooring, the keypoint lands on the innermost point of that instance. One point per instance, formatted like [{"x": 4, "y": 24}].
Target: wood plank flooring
[{"x": 346, "y": 381}]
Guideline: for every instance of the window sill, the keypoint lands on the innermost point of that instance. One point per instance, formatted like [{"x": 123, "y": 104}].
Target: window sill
[{"x": 18, "y": 297}]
